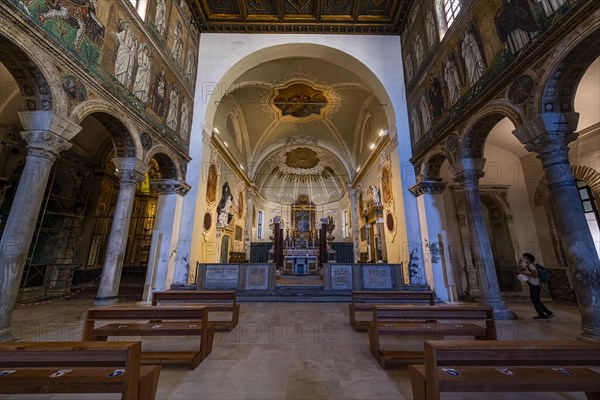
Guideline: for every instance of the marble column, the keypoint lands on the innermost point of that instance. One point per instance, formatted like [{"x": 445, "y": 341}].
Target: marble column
[
  {"x": 432, "y": 228},
  {"x": 468, "y": 172},
  {"x": 548, "y": 135},
  {"x": 472, "y": 290},
  {"x": 46, "y": 134},
  {"x": 166, "y": 223},
  {"x": 130, "y": 171},
  {"x": 250, "y": 194},
  {"x": 355, "y": 225}
]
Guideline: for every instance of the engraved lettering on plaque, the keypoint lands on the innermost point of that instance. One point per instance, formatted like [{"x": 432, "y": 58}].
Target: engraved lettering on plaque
[{"x": 221, "y": 277}]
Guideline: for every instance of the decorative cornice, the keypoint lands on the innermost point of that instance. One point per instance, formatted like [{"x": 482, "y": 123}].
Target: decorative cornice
[
  {"x": 170, "y": 186},
  {"x": 428, "y": 187}
]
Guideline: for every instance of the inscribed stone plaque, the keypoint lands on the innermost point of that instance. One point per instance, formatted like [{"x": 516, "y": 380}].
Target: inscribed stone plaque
[
  {"x": 341, "y": 277},
  {"x": 221, "y": 277},
  {"x": 377, "y": 277},
  {"x": 257, "y": 277}
]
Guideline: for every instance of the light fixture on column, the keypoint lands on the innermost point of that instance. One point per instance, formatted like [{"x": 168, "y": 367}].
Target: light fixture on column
[
  {"x": 225, "y": 143},
  {"x": 358, "y": 168},
  {"x": 242, "y": 167},
  {"x": 383, "y": 132},
  {"x": 215, "y": 130},
  {"x": 372, "y": 146}
]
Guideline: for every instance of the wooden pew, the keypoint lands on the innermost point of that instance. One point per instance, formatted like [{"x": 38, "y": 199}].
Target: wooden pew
[
  {"x": 363, "y": 301},
  {"x": 172, "y": 321},
  {"x": 507, "y": 366},
  {"x": 89, "y": 365},
  {"x": 215, "y": 300},
  {"x": 426, "y": 321}
]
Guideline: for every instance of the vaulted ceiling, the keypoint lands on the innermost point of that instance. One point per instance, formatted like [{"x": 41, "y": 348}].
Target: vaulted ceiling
[
  {"x": 308, "y": 16},
  {"x": 301, "y": 126}
]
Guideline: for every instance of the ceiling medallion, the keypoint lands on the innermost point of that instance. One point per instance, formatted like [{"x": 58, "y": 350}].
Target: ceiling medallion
[
  {"x": 301, "y": 157},
  {"x": 302, "y": 101}
]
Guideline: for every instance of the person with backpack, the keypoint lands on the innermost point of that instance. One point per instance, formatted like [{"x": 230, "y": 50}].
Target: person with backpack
[{"x": 529, "y": 268}]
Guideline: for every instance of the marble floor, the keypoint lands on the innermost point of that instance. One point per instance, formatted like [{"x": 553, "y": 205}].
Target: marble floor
[{"x": 287, "y": 351}]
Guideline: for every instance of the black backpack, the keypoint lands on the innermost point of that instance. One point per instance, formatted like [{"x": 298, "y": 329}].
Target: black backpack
[{"x": 543, "y": 273}]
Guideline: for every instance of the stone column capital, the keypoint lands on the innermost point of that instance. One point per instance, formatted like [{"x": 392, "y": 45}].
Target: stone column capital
[
  {"x": 250, "y": 193},
  {"x": 44, "y": 144},
  {"x": 49, "y": 121},
  {"x": 468, "y": 171},
  {"x": 428, "y": 187},
  {"x": 548, "y": 135},
  {"x": 130, "y": 170},
  {"x": 170, "y": 186}
]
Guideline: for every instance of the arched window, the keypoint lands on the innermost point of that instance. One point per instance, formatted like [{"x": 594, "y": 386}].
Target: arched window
[
  {"x": 451, "y": 10},
  {"x": 140, "y": 6},
  {"x": 447, "y": 11},
  {"x": 591, "y": 212}
]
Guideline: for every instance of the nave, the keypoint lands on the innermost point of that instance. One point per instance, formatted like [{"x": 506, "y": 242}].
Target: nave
[{"x": 289, "y": 351}]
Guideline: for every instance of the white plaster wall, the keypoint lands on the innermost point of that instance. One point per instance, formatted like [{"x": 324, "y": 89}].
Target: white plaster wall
[
  {"x": 504, "y": 168},
  {"x": 224, "y": 57}
]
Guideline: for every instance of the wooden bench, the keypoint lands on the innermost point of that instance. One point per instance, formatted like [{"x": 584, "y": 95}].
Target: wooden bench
[
  {"x": 363, "y": 301},
  {"x": 507, "y": 366},
  {"x": 88, "y": 364},
  {"x": 215, "y": 300},
  {"x": 180, "y": 321},
  {"x": 427, "y": 321}
]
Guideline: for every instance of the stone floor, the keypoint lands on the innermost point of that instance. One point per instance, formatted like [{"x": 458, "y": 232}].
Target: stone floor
[{"x": 288, "y": 351}]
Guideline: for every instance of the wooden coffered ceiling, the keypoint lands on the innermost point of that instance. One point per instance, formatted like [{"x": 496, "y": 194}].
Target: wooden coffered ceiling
[{"x": 302, "y": 16}]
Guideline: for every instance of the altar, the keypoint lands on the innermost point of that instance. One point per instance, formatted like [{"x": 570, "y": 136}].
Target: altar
[{"x": 300, "y": 265}]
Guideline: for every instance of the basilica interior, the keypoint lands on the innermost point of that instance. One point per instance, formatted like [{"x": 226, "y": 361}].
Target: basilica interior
[{"x": 295, "y": 151}]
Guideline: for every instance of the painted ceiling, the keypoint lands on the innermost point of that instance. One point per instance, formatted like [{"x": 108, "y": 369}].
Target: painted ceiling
[{"x": 308, "y": 16}]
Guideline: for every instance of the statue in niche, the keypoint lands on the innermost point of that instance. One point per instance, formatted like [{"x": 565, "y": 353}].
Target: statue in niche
[{"x": 224, "y": 208}]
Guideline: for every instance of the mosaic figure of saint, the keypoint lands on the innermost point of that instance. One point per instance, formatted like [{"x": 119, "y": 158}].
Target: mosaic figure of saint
[
  {"x": 452, "y": 81},
  {"x": 177, "y": 44},
  {"x": 126, "y": 49},
  {"x": 431, "y": 31},
  {"x": 472, "y": 55},
  {"x": 159, "y": 93},
  {"x": 414, "y": 118},
  {"x": 425, "y": 116},
  {"x": 160, "y": 18},
  {"x": 173, "y": 108},
  {"x": 141, "y": 87},
  {"x": 184, "y": 126}
]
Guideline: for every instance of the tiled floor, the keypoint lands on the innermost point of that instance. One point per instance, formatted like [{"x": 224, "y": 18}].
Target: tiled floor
[{"x": 289, "y": 351}]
